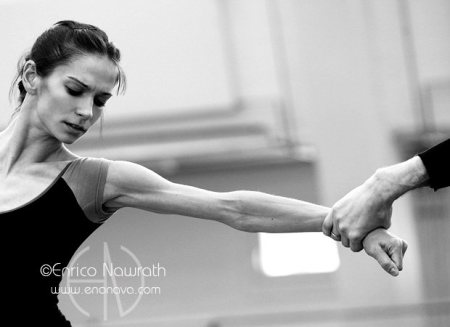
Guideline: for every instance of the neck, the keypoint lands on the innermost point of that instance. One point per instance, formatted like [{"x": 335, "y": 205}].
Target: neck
[{"x": 23, "y": 143}]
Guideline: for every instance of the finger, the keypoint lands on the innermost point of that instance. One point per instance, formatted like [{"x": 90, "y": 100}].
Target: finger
[
  {"x": 385, "y": 262},
  {"x": 327, "y": 225},
  {"x": 356, "y": 245},
  {"x": 345, "y": 242},
  {"x": 396, "y": 254},
  {"x": 335, "y": 235}
]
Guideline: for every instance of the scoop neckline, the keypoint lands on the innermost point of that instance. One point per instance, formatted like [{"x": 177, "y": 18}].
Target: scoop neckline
[{"x": 45, "y": 191}]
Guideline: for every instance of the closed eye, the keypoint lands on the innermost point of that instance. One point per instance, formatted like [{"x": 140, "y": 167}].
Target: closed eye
[
  {"x": 99, "y": 103},
  {"x": 74, "y": 92}
]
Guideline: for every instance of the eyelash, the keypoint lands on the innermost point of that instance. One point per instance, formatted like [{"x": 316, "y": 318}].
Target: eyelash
[
  {"x": 73, "y": 92},
  {"x": 78, "y": 93}
]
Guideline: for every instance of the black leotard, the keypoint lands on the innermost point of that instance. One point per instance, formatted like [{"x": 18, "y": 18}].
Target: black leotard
[{"x": 48, "y": 230}]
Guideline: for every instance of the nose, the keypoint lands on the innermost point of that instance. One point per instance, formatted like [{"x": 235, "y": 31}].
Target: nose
[{"x": 85, "y": 107}]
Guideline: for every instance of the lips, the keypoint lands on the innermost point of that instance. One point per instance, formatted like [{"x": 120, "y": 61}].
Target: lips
[{"x": 76, "y": 127}]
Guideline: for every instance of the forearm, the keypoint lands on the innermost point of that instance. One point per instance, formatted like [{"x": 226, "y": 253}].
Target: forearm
[
  {"x": 391, "y": 182},
  {"x": 261, "y": 212}
]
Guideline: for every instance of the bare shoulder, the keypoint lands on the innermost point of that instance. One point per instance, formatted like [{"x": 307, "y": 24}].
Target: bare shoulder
[{"x": 67, "y": 155}]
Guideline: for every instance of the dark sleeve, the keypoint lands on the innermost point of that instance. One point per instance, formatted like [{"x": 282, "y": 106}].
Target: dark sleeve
[{"x": 437, "y": 163}]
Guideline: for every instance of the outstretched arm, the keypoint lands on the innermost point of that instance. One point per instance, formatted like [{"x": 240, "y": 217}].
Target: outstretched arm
[{"x": 132, "y": 185}]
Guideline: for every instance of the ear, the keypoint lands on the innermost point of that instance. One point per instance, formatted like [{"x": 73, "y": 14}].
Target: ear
[{"x": 30, "y": 78}]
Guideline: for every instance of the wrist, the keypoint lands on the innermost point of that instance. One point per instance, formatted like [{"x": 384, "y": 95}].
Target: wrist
[{"x": 393, "y": 181}]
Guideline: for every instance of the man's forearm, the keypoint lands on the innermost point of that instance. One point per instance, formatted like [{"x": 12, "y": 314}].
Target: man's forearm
[
  {"x": 389, "y": 183},
  {"x": 261, "y": 212}
]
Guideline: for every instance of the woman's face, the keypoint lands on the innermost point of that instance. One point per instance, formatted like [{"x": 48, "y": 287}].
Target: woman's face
[{"x": 72, "y": 97}]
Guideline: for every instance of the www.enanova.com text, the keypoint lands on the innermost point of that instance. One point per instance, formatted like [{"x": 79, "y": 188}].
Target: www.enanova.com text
[{"x": 117, "y": 290}]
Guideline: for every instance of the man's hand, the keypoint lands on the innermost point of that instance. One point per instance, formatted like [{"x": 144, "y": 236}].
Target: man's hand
[
  {"x": 387, "y": 249},
  {"x": 360, "y": 211},
  {"x": 369, "y": 206}
]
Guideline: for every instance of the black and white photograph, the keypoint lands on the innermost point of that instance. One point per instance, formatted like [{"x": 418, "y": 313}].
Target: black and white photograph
[{"x": 225, "y": 163}]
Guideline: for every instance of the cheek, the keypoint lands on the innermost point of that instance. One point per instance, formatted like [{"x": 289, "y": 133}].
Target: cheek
[{"x": 55, "y": 97}]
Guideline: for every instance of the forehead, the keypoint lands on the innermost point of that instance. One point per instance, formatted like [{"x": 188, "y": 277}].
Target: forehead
[{"x": 98, "y": 72}]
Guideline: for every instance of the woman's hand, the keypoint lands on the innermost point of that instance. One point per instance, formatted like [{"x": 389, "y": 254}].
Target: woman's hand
[{"x": 387, "y": 249}]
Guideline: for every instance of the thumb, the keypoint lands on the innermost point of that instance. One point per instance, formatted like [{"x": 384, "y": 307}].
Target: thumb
[
  {"x": 327, "y": 225},
  {"x": 385, "y": 261},
  {"x": 396, "y": 254}
]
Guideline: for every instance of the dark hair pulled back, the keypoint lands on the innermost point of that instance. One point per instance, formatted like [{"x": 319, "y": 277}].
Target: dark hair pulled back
[{"x": 60, "y": 44}]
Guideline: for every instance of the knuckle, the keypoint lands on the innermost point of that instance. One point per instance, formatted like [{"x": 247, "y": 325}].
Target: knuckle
[
  {"x": 344, "y": 228},
  {"x": 354, "y": 235},
  {"x": 338, "y": 216},
  {"x": 398, "y": 243}
]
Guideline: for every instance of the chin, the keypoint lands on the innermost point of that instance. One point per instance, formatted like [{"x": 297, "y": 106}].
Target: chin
[{"x": 68, "y": 139}]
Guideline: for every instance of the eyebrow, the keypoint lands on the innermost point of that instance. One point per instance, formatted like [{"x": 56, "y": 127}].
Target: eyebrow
[{"x": 85, "y": 86}]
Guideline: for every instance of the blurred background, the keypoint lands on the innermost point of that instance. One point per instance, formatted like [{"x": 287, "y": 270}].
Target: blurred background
[{"x": 298, "y": 98}]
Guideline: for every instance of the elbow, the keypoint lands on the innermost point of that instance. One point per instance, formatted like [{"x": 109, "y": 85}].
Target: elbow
[
  {"x": 244, "y": 223},
  {"x": 235, "y": 216}
]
